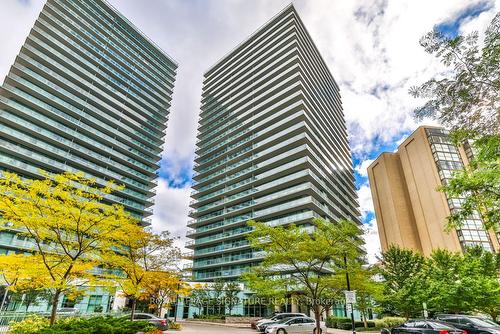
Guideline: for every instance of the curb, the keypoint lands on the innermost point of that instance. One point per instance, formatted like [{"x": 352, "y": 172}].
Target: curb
[{"x": 236, "y": 325}]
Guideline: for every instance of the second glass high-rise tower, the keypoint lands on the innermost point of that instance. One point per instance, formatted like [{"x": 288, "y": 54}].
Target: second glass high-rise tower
[{"x": 272, "y": 146}]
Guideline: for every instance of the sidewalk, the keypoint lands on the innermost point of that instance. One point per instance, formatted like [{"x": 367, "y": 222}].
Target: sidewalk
[
  {"x": 342, "y": 331},
  {"x": 243, "y": 325}
]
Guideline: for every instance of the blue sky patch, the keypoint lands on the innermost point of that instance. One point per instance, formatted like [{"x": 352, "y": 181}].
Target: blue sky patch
[
  {"x": 451, "y": 28},
  {"x": 178, "y": 174}
]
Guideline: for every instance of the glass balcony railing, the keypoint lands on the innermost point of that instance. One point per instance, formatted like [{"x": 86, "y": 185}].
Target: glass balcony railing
[
  {"x": 31, "y": 169},
  {"x": 255, "y": 214},
  {"x": 76, "y": 56},
  {"x": 228, "y": 259},
  {"x": 67, "y": 130},
  {"x": 127, "y": 76},
  {"x": 219, "y": 274},
  {"x": 111, "y": 120},
  {"x": 71, "y": 144},
  {"x": 71, "y": 157},
  {"x": 254, "y": 167},
  {"x": 221, "y": 247},
  {"x": 220, "y": 236},
  {"x": 258, "y": 200}
]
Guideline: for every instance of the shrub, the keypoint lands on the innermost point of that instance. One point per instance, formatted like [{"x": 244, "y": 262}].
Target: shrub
[
  {"x": 174, "y": 325},
  {"x": 370, "y": 323},
  {"x": 389, "y": 322},
  {"x": 334, "y": 322},
  {"x": 31, "y": 325},
  {"x": 344, "y": 323},
  {"x": 210, "y": 317},
  {"x": 97, "y": 325}
]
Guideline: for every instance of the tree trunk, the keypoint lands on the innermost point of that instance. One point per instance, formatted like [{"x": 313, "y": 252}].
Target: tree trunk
[
  {"x": 317, "y": 316},
  {"x": 160, "y": 306},
  {"x": 55, "y": 301},
  {"x": 365, "y": 323},
  {"x": 5, "y": 292},
  {"x": 132, "y": 309}
]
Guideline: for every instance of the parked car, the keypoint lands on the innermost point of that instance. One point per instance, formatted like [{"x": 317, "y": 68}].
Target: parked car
[
  {"x": 471, "y": 324},
  {"x": 153, "y": 319},
  {"x": 423, "y": 326},
  {"x": 68, "y": 311},
  {"x": 295, "y": 325},
  {"x": 263, "y": 323}
]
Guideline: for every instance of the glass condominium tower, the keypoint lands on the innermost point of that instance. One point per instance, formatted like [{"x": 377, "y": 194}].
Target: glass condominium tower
[
  {"x": 272, "y": 146},
  {"x": 88, "y": 92}
]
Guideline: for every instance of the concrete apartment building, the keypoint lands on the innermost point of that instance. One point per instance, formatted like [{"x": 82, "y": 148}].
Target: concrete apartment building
[
  {"x": 272, "y": 146},
  {"x": 410, "y": 211},
  {"x": 87, "y": 92}
]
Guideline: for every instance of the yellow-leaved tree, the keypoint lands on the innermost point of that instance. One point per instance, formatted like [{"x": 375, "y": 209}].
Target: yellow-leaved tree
[
  {"x": 138, "y": 256},
  {"x": 19, "y": 273},
  {"x": 163, "y": 288},
  {"x": 71, "y": 230}
]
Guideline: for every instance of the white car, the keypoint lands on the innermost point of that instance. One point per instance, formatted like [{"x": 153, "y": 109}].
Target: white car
[
  {"x": 295, "y": 325},
  {"x": 262, "y": 324}
]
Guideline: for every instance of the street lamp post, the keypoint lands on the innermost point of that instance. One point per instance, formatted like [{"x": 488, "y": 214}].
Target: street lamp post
[
  {"x": 176, "y": 302},
  {"x": 349, "y": 289}
]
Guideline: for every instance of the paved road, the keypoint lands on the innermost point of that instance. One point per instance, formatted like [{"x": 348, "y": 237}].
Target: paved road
[{"x": 190, "y": 328}]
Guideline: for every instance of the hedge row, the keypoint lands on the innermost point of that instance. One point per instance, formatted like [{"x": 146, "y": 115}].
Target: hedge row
[
  {"x": 96, "y": 325},
  {"x": 345, "y": 323}
]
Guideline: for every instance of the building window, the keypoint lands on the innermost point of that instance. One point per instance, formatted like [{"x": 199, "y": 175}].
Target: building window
[{"x": 94, "y": 301}]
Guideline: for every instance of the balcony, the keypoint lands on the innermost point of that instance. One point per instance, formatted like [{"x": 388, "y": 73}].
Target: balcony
[{"x": 187, "y": 255}]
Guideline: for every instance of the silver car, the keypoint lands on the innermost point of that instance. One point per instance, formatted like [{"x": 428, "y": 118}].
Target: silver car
[
  {"x": 295, "y": 325},
  {"x": 262, "y": 324}
]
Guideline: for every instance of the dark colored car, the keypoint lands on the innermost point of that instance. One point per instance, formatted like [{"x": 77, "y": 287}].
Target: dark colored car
[
  {"x": 471, "y": 324},
  {"x": 151, "y": 318},
  {"x": 424, "y": 326}
]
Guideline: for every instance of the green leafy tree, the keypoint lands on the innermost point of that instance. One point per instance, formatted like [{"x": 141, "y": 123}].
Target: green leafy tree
[
  {"x": 478, "y": 183},
  {"x": 468, "y": 101},
  {"x": 231, "y": 290},
  {"x": 469, "y": 98},
  {"x": 368, "y": 291},
  {"x": 402, "y": 273},
  {"x": 200, "y": 297},
  {"x": 480, "y": 273},
  {"x": 448, "y": 282},
  {"x": 217, "y": 296},
  {"x": 304, "y": 260},
  {"x": 445, "y": 291}
]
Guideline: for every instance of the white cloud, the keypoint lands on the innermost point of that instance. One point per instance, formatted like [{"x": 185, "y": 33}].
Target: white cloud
[
  {"x": 365, "y": 200},
  {"x": 16, "y": 20},
  {"x": 170, "y": 211},
  {"x": 372, "y": 241},
  {"x": 372, "y": 50},
  {"x": 362, "y": 168}
]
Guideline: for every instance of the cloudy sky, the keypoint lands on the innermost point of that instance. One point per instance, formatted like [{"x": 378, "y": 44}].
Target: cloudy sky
[{"x": 370, "y": 46}]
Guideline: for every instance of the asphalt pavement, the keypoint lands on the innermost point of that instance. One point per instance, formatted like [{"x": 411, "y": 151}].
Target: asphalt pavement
[{"x": 197, "y": 328}]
